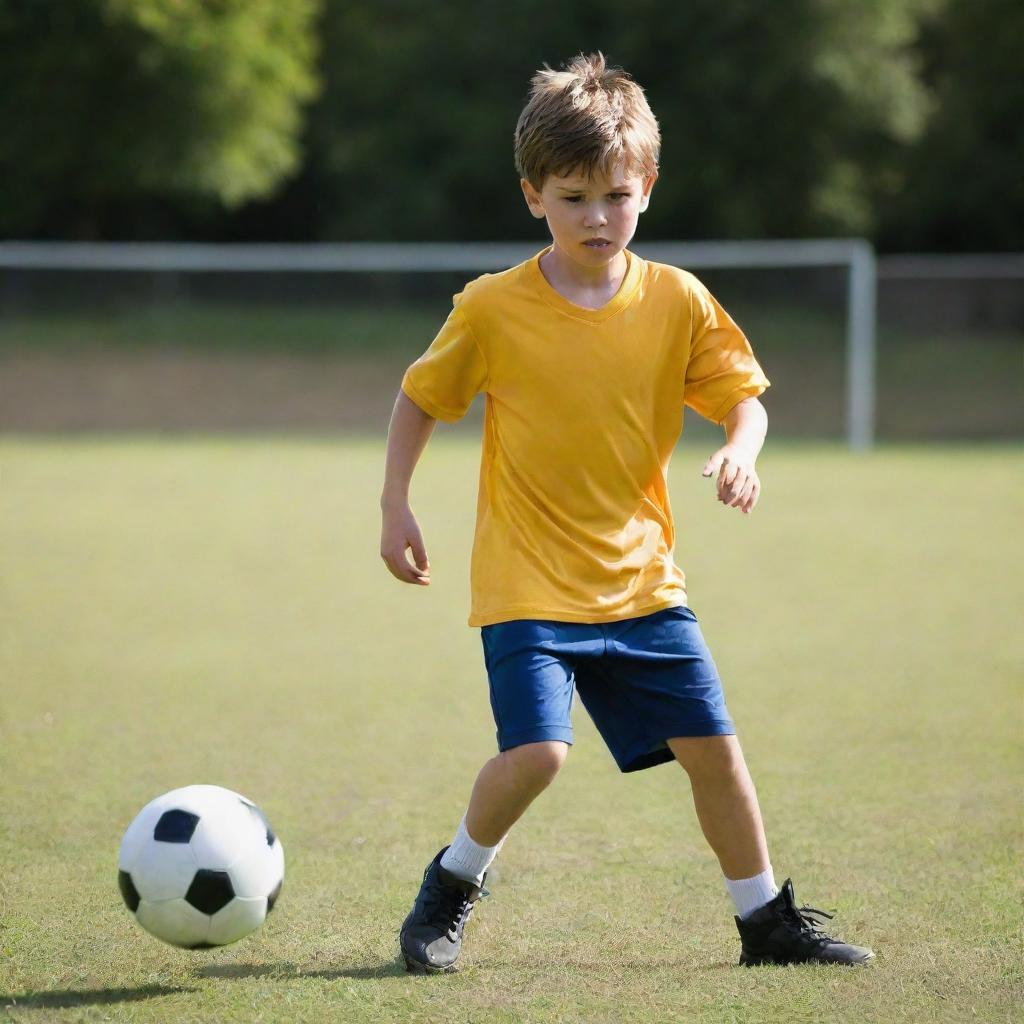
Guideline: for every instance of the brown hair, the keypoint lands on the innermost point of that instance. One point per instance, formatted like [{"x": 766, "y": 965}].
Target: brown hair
[{"x": 583, "y": 117}]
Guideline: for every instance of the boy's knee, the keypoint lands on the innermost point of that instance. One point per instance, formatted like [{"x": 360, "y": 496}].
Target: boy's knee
[
  {"x": 539, "y": 762},
  {"x": 720, "y": 756}
]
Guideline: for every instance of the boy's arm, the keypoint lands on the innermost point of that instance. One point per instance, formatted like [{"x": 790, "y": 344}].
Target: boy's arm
[
  {"x": 745, "y": 429},
  {"x": 408, "y": 434}
]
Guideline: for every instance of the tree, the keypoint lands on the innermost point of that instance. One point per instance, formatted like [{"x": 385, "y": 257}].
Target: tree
[
  {"x": 964, "y": 180},
  {"x": 780, "y": 119},
  {"x": 109, "y": 101}
]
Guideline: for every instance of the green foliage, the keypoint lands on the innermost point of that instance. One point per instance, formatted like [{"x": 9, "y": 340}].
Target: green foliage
[
  {"x": 108, "y": 100},
  {"x": 965, "y": 178},
  {"x": 896, "y": 119},
  {"x": 767, "y": 110}
]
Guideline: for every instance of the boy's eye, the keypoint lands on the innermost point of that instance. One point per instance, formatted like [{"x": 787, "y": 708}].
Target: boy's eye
[{"x": 611, "y": 195}]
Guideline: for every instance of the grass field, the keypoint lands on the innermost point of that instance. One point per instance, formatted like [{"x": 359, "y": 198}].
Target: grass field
[{"x": 215, "y": 610}]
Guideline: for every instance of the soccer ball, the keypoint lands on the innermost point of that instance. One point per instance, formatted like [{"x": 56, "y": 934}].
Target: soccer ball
[{"x": 200, "y": 867}]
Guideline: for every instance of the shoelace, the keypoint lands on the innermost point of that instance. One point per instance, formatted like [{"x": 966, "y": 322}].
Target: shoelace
[
  {"x": 807, "y": 920},
  {"x": 450, "y": 907}
]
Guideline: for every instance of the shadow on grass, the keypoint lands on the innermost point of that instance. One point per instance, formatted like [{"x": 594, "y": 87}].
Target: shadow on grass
[
  {"x": 393, "y": 969},
  {"x": 614, "y": 968},
  {"x": 396, "y": 969},
  {"x": 65, "y": 998}
]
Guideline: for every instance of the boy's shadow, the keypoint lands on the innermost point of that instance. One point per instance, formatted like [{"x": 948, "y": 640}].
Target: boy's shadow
[
  {"x": 394, "y": 969},
  {"x": 62, "y": 999}
]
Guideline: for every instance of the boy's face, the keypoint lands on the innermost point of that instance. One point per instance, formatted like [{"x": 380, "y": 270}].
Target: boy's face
[{"x": 591, "y": 219}]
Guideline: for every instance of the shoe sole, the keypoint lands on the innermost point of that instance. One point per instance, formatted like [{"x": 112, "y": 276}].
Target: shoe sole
[
  {"x": 745, "y": 962},
  {"x": 416, "y": 967}
]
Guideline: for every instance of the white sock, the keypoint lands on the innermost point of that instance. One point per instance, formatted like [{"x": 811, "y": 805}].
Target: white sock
[
  {"x": 468, "y": 859},
  {"x": 750, "y": 894}
]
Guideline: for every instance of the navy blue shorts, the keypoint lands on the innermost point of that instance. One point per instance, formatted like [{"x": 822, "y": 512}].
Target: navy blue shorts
[{"x": 642, "y": 681}]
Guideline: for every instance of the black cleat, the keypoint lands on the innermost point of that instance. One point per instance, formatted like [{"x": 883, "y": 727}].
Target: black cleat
[
  {"x": 781, "y": 933},
  {"x": 431, "y": 936}
]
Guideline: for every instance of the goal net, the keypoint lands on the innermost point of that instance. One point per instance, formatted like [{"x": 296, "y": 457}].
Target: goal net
[{"x": 316, "y": 337}]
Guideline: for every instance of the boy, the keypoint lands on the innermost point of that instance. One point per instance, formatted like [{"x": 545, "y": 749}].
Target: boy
[{"x": 587, "y": 355}]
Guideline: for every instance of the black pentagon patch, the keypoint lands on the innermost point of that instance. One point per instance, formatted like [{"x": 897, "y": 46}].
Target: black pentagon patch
[
  {"x": 263, "y": 821},
  {"x": 128, "y": 891},
  {"x": 175, "y": 827},
  {"x": 272, "y": 898},
  {"x": 203, "y": 945},
  {"x": 210, "y": 891}
]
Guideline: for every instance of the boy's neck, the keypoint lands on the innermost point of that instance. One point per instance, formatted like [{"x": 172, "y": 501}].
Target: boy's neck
[{"x": 574, "y": 281}]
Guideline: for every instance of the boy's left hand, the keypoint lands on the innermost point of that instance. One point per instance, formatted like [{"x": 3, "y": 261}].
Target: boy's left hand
[{"x": 738, "y": 484}]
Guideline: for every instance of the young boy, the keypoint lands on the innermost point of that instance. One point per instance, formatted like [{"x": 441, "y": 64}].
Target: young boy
[{"x": 587, "y": 355}]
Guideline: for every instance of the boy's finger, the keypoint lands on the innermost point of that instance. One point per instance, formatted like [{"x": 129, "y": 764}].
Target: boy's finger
[
  {"x": 731, "y": 484},
  {"x": 399, "y": 567},
  {"x": 752, "y": 500},
  {"x": 711, "y": 465},
  {"x": 744, "y": 494},
  {"x": 415, "y": 575},
  {"x": 419, "y": 554}
]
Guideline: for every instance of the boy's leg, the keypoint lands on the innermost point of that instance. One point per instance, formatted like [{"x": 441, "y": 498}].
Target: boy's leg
[
  {"x": 504, "y": 788},
  {"x": 726, "y": 804},
  {"x": 530, "y": 671},
  {"x": 431, "y": 937},
  {"x": 725, "y": 801},
  {"x": 772, "y": 928},
  {"x": 508, "y": 784}
]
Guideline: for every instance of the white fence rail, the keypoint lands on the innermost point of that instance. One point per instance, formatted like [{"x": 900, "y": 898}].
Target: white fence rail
[{"x": 856, "y": 255}]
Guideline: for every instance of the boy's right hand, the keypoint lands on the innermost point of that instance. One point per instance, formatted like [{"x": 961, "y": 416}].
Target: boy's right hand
[{"x": 399, "y": 531}]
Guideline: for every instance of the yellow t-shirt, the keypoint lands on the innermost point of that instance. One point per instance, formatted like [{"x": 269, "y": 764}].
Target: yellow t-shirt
[{"x": 583, "y": 410}]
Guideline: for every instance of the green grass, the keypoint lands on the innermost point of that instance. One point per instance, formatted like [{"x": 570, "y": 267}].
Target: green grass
[{"x": 213, "y": 610}]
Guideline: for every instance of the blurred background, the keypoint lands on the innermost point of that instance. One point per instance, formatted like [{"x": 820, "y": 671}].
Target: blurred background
[{"x": 318, "y": 121}]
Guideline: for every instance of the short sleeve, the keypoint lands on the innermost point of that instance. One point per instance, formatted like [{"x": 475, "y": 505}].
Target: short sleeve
[
  {"x": 721, "y": 370},
  {"x": 445, "y": 379}
]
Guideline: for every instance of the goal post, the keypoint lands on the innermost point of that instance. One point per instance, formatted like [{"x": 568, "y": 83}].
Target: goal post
[{"x": 855, "y": 255}]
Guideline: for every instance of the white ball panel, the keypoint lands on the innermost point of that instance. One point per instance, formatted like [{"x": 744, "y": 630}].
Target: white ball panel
[
  {"x": 200, "y": 799},
  {"x": 227, "y": 831},
  {"x": 236, "y": 920},
  {"x": 182, "y": 799},
  {"x": 139, "y": 834},
  {"x": 140, "y": 831},
  {"x": 258, "y": 872},
  {"x": 277, "y": 852},
  {"x": 163, "y": 871},
  {"x": 251, "y": 876},
  {"x": 174, "y": 921}
]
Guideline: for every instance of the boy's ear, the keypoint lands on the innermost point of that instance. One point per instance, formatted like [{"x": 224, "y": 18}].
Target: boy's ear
[
  {"x": 533, "y": 199},
  {"x": 648, "y": 186}
]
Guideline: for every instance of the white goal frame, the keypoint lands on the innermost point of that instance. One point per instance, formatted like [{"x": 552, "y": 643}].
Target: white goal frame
[{"x": 854, "y": 254}]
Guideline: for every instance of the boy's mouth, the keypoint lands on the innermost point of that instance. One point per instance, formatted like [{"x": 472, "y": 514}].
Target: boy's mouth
[{"x": 597, "y": 243}]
